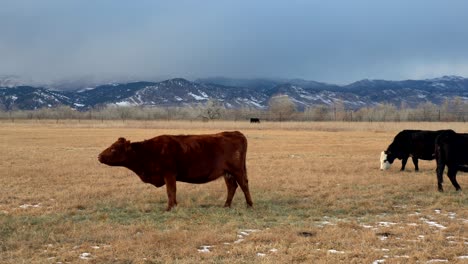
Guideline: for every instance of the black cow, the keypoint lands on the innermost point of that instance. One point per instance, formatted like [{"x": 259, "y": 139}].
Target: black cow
[
  {"x": 451, "y": 149},
  {"x": 417, "y": 144},
  {"x": 255, "y": 120}
]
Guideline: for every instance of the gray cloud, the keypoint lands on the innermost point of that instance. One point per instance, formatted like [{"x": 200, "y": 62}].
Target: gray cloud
[{"x": 336, "y": 41}]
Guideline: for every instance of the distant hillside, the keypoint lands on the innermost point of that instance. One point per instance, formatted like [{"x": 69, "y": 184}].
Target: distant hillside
[{"x": 236, "y": 93}]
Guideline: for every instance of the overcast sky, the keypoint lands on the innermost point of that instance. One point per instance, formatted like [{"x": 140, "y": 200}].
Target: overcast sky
[{"x": 331, "y": 41}]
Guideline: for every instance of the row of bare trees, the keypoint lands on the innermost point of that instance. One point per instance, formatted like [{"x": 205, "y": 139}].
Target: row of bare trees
[{"x": 280, "y": 108}]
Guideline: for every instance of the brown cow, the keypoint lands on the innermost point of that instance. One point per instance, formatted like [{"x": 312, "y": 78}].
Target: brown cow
[{"x": 187, "y": 158}]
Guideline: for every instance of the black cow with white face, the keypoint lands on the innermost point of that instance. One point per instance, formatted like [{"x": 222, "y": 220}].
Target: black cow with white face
[{"x": 417, "y": 144}]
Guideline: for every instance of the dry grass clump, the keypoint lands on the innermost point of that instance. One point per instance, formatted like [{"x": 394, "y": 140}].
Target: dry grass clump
[{"x": 319, "y": 197}]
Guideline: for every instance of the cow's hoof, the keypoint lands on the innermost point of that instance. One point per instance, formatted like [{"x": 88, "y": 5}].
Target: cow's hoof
[{"x": 168, "y": 209}]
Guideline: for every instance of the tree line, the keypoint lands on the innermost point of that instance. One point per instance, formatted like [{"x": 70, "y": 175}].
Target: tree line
[{"x": 280, "y": 108}]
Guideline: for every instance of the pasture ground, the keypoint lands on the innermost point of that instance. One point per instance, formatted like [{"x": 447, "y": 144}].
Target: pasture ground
[{"x": 319, "y": 197}]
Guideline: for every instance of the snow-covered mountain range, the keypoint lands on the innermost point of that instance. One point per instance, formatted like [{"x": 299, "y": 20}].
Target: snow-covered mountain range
[{"x": 234, "y": 93}]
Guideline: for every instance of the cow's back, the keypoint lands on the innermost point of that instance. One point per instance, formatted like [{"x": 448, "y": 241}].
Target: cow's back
[{"x": 422, "y": 144}]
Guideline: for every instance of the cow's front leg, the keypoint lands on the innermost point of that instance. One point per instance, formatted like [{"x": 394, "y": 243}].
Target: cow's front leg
[
  {"x": 403, "y": 163},
  {"x": 170, "y": 181},
  {"x": 415, "y": 162}
]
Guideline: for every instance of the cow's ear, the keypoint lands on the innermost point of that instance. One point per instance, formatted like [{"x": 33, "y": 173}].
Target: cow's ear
[
  {"x": 128, "y": 145},
  {"x": 121, "y": 139}
]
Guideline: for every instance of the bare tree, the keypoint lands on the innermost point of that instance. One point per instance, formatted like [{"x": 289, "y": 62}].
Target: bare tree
[
  {"x": 212, "y": 109},
  {"x": 318, "y": 113},
  {"x": 282, "y": 107}
]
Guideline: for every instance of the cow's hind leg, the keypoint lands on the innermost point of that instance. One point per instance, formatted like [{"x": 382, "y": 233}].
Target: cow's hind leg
[
  {"x": 440, "y": 175},
  {"x": 415, "y": 162},
  {"x": 170, "y": 181},
  {"x": 452, "y": 174},
  {"x": 231, "y": 188},
  {"x": 241, "y": 179}
]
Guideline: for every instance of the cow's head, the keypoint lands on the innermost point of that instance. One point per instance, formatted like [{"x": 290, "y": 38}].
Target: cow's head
[
  {"x": 384, "y": 161},
  {"x": 117, "y": 154}
]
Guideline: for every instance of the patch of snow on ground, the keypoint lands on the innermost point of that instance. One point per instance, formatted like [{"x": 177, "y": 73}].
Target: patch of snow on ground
[
  {"x": 261, "y": 254},
  {"x": 415, "y": 213},
  {"x": 85, "y": 256},
  {"x": 333, "y": 251},
  {"x": 437, "y": 260},
  {"x": 378, "y": 261},
  {"x": 463, "y": 257},
  {"x": 386, "y": 224},
  {"x": 25, "y": 206},
  {"x": 243, "y": 233},
  {"x": 324, "y": 223},
  {"x": 238, "y": 240},
  {"x": 433, "y": 223},
  {"x": 205, "y": 249}
]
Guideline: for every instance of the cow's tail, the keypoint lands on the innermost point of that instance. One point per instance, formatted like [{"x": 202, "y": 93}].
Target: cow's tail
[
  {"x": 439, "y": 157},
  {"x": 440, "y": 140},
  {"x": 245, "y": 157}
]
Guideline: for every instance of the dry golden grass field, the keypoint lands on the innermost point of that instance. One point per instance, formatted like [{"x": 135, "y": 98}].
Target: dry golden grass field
[{"x": 319, "y": 197}]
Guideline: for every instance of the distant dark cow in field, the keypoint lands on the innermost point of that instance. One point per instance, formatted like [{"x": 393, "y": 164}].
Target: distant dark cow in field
[
  {"x": 417, "y": 144},
  {"x": 165, "y": 159},
  {"x": 254, "y": 120},
  {"x": 451, "y": 150}
]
